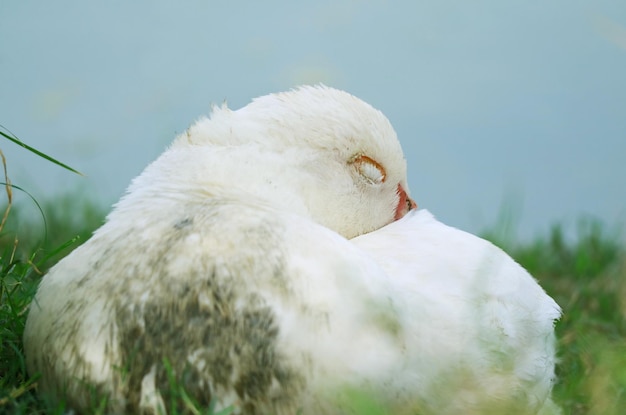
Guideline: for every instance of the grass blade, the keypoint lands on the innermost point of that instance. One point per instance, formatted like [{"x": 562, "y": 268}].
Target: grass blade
[{"x": 17, "y": 141}]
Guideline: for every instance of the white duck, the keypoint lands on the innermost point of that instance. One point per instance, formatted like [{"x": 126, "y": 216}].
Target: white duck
[{"x": 226, "y": 267}]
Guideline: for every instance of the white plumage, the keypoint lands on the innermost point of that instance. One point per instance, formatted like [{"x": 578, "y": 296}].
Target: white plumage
[
  {"x": 479, "y": 328},
  {"x": 226, "y": 266}
]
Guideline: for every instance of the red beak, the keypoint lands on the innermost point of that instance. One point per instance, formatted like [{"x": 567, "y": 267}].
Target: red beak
[{"x": 405, "y": 204}]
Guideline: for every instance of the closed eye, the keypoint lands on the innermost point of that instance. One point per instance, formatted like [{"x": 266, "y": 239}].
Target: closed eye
[{"x": 369, "y": 169}]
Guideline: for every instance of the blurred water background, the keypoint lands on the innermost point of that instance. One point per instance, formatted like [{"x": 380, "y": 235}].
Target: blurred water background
[{"x": 514, "y": 108}]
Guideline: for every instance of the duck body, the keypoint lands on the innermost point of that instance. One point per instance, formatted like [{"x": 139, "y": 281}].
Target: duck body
[{"x": 271, "y": 261}]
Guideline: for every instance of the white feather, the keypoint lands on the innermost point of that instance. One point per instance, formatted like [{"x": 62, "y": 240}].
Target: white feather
[{"x": 478, "y": 326}]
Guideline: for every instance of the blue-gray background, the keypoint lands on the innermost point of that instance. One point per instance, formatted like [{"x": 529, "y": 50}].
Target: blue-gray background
[{"x": 520, "y": 102}]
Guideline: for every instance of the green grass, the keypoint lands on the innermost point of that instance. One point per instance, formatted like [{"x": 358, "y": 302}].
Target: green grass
[{"x": 28, "y": 248}]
